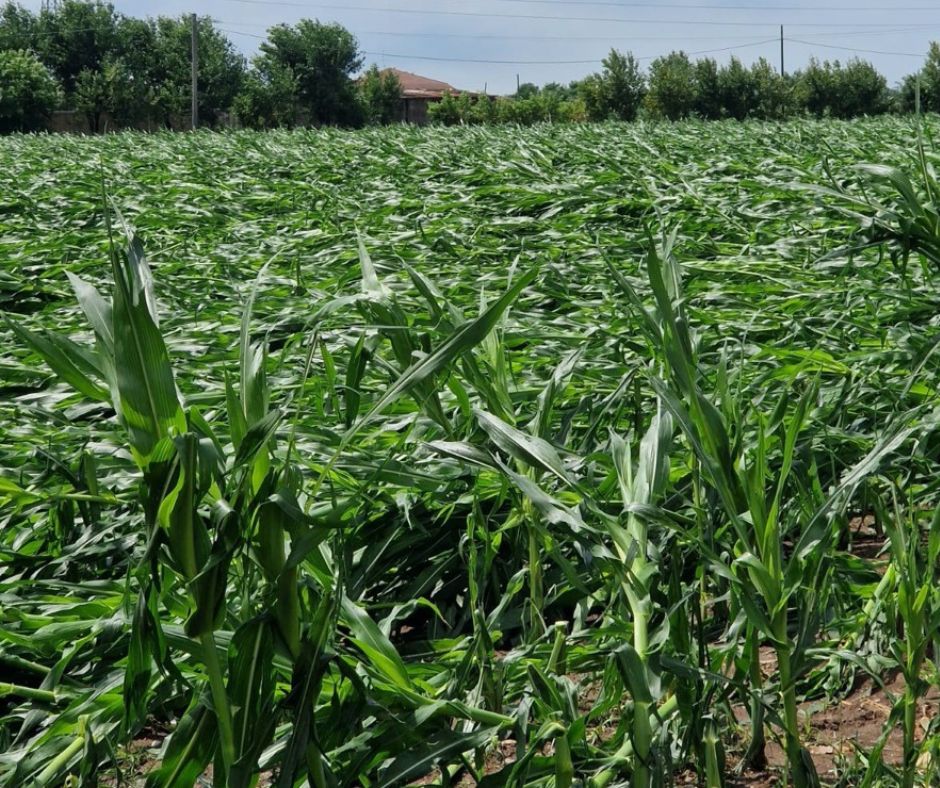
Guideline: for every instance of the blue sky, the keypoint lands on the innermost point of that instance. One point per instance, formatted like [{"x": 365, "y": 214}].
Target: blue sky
[{"x": 567, "y": 48}]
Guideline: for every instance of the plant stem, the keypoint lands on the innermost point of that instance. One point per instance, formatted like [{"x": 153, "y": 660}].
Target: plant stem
[
  {"x": 223, "y": 712},
  {"x": 910, "y": 723},
  {"x": 788, "y": 691},
  {"x": 62, "y": 759},
  {"x": 755, "y": 755},
  {"x": 625, "y": 753},
  {"x": 30, "y": 693}
]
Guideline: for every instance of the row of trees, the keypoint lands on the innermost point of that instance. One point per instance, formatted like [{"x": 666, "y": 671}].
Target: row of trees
[
  {"x": 83, "y": 55},
  {"x": 677, "y": 87}
]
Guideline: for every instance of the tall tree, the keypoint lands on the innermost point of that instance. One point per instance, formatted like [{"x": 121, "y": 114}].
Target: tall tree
[
  {"x": 737, "y": 90},
  {"x": 267, "y": 100},
  {"x": 17, "y": 27},
  {"x": 708, "y": 99},
  {"x": 221, "y": 69},
  {"x": 671, "y": 87},
  {"x": 323, "y": 58},
  {"x": 774, "y": 92},
  {"x": 617, "y": 92},
  {"x": 75, "y": 36}
]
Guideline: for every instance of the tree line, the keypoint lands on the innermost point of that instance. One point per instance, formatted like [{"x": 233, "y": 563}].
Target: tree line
[
  {"x": 86, "y": 57},
  {"x": 122, "y": 71},
  {"x": 676, "y": 87}
]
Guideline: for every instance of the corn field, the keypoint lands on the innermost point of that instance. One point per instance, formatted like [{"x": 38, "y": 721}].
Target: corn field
[{"x": 598, "y": 455}]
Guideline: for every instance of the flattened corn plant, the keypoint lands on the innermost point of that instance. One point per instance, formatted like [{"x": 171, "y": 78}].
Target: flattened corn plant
[{"x": 540, "y": 495}]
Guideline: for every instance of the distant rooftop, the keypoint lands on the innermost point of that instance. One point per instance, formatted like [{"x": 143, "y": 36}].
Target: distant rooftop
[{"x": 416, "y": 86}]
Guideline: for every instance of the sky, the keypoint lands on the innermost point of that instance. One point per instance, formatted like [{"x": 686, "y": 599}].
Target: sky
[{"x": 488, "y": 44}]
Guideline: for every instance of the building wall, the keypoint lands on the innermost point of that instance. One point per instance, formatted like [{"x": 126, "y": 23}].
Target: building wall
[{"x": 416, "y": 110}]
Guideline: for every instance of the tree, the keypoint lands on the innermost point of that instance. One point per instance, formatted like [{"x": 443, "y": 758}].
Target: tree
[
  {"x": 623, "y": 83},
  {"x": 17, "y": 27},
  {"x": 708, "y": 98},
  {"x": 267, "y": 100},
  {"x": 527, "y": 90},
  {"x": 221, "y": 70},
  {"x": 380, "y": 93},
  {"x": 617, "y": 92},
  {"x": 774, "y": 93},
  {"x": 74, "y": 37},
  {"x": 111, "y": 90},
  {"x": 737, "y": 90},
  {"x": 831, "y": 89},
  {"x": 28, "y": 91},
  {"x": 671, "y": 92},
  {"x": 930, "y": 79},
  {"x": 817, "y": 87},
  {"x": 863, "y": 91},
  {"x": 322, "y": 58}
]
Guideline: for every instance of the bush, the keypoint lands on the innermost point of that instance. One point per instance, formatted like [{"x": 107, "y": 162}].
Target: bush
[
  {"x": 445, "y": 112},
  {"x": 28, "y": 91}
]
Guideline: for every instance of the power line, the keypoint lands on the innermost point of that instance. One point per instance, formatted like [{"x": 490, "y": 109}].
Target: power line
[
  {"x": 719, "y": 49},
  {"x": 708, "y": 7},
  {"x": 855, "y": 49},
  {"x": 501, "y": 37},
  {"x": 543, "y": 17},
  {"x": 592, "y": 61}
]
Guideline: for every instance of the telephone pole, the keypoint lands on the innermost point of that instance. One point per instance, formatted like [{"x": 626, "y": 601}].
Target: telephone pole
[
  {"x": 782, "y": 72},
  {"x": 195, "y": 63}
]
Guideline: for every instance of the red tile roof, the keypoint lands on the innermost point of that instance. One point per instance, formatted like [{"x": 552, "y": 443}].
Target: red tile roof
[{"x": 416, "y": 86}]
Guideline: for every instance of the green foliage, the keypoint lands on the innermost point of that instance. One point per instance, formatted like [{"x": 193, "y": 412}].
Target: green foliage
[
  {"x": 221, "y": 69},
  {"x": 671, "y": 94},
  {"x": 76, "y": 36},
  {"x": 17, "y": 27},
  {"x": 833, "y": 90},
  {"x": 541, "y": 105},
  {"x": 617, "y": 92},
  {"x": 380, "y": 93},
  {"x": 774, "y": 94},
  {"x": 737, "y": 90},
  {"x": 28, "y": 92},
  {"x": 446, "y": 112},
  {"x": 709, "y": 98},
  {"x": 930, "y": 79},
  {"x": 515, "y": 466},
  {"x": 111, "y": 89},
  {"x": 322, "y": 58},
  {"x": 268, "y": 100}
]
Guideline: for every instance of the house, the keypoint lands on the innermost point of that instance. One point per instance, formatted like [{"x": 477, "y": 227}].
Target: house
[{"x": 417, "y": 93}]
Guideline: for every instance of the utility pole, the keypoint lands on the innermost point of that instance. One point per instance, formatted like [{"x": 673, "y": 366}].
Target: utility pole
[
  {"x": 517, "y": 84},
  {"x": 782, "y": 72},
  {"x": 195, "y": 63}
]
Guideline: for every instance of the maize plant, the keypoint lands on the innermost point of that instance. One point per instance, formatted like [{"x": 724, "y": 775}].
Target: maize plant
[{"x": 593, "y": 455}]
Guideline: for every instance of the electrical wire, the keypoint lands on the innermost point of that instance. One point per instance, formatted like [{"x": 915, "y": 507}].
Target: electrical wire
[
  {"x": 853, "y": 49},
  {"x": 500, "y": 37},
  {"x": 557, "y": 62},
  {"x": 592, "y": 61},
  {"x": 543, "y": 17},
  {"x": 709, "y": 7}
]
